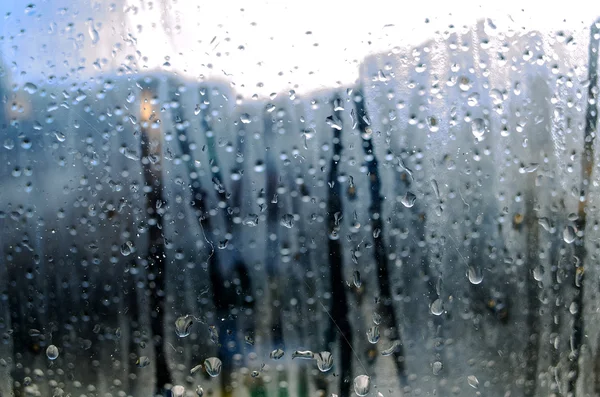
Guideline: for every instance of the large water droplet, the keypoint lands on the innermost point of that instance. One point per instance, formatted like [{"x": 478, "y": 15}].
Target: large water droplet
[
  {"x": 213, "y": 366},
  {"x": 373, "y": 334},
  {"x": 362, "y": 384},
  {"x": 52, "y": 352},
  {"x": 183, "y": 325},
  {"x": 324, "y": 361}
]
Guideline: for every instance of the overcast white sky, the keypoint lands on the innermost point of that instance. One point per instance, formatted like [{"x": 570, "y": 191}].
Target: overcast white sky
[{"x": 279, "y": 44}]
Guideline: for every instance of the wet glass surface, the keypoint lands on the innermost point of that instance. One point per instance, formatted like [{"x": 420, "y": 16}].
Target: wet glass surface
[{"x": 376, "y": 212}]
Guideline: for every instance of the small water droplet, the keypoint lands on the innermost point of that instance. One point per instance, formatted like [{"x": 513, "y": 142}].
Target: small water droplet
[
  {"x": 52, "y": 352},
  {"x": 437, "y": 307},
  {"x": 196, "y": 369},
  {"x": 277, "y": 354},
  {"x": 376, "y": 318},
  {"x": 287, "y": 220},
  {"x": 127, "y": 248},
  {"x": 334, "y": 122},
  {"x": 433, "y": 124},
  {"x": 245, "y": 118},
  {"x": 437, "y": 367},
  {"x": 305, "y": 354},
  {"x": 475, "y": 275},
  {"x": 473, "y": 381},
  {"x": 213, "y": 366},
  {"x": 362, "y": 384},
  {"x": 249, "y": 341},
  {"x": 254, "y": 374},
  {"x": 30, "y": 88},
  {"x": 183, "y": 325},
  {"x": 60, "y": 136},
  {"x": 538, "y": 273},
  {"x": 356, "y": 279},
  {"x": 478, "y": 128},
  {"x": 569, "y": 234},
  {"x": 142, "y": 362},
  {"x": 373, "y": 334},
  {"x": 199, "y": 391},
  {"x": 178, "y": 391},
  {"x": 392, "y": 349},
  {"x": 408, "y": 200},
  {"x": 324, "y": 361}
]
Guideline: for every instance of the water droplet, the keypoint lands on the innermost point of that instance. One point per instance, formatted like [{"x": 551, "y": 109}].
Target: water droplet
[
  {"x": 324, "y": 361},
  {"x": 408, "y": 200},
  {"x": 356, "y": 279},
  {"x": 478, "y": 128},
  {"x": 213, "y": 366},
  {"x": 60, "y": 136},
  {"x": 94, "y": 36},
  {"x": 437, "y": 307},
  {"x": 287, "y": 220},
  {"x": 392, "y": 349},
  {"x": 569, "y": 234},
  {"x": 127, "y": 248},
  {"x": 538, "y": 273},
  {"x": 376, "y": 318},
  {"x": 334, "y": 122},
  {"x": 30, "y": 88},
  {"x": 433, "y": 124},
  {"x": 306, "y": 354},
  {"x": 34, "y": 332},
  {"x": 376, "y": 233},
  {"x": 245, "y": 118},
  {"x": 473, "y": 381},
  {"x": 362, "y": 384},
  {"x": 249, "y": 341},
  {"x": 475, "y": 275},
  {"x": 437, "y": 367},
  {"x": 250, "y": 220},
  {"x": 214, "y": 334},
  {"x": 142, "y": 362},
  {"x": 178, "y": 391},
  {"x": 196, "y": 369},
  {"x": 546, "y": 224},
  {"x": 277, "y": 354},
  {"x": 199, "y": 391},
  {"x": 183, "y": 325},
  {"x": 579, "y": 271},
  {"x": 338, "y": 105},
  {"x": 52, "y": 352},
  {"x": 254, "y": 374},
  {"x": 373, "y": 334}
]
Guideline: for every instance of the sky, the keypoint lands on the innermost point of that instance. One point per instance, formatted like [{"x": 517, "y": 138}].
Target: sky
[{"x": 259, "y": 46}]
